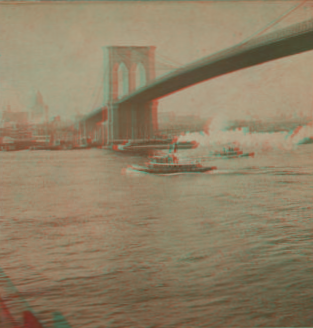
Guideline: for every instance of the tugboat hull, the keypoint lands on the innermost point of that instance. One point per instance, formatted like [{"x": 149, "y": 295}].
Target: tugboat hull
[
  {"x": 172, "y": 169},
  {"x": 235, "y": 155}
]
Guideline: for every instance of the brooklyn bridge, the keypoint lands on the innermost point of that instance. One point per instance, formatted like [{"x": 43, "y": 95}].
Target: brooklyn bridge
[{"x": 131, "y": 90}]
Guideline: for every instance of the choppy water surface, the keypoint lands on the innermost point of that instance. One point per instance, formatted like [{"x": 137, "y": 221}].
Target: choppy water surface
[{"x": 233, "y": 248}]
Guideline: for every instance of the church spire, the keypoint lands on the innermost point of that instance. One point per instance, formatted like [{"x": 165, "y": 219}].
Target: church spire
[{"x": 38, "y": 109}]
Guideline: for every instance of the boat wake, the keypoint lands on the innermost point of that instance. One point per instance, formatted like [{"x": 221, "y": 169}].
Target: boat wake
[
  {"x": 131, "y": 172},
  {"x": 188, "y": 173},
  {"x": 275, "y": 171},
  {"x": 287, "y": 171}
]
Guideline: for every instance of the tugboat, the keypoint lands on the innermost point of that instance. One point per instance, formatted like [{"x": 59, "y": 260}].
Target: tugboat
[
  {"x": 169, "y": 164},
  {"x": 231, "y": 152}
]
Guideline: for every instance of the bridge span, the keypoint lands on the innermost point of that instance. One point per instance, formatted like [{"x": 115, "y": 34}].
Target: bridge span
[{"x": 134, "y": 115}]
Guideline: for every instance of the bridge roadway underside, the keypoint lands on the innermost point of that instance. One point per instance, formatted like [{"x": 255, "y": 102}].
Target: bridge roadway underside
[
  {"x": 91, "y": 127},
  {"x": 225, "y": 62}
]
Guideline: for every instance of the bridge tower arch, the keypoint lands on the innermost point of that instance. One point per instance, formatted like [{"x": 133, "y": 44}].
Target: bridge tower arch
[
  {"x": 122, "y": 81},
  {"x": 125, "y": 70},
  {"x": 140, "y": 75}
]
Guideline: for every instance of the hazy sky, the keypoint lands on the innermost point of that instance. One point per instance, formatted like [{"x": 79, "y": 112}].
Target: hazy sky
[{"x": 57, "y": 48}]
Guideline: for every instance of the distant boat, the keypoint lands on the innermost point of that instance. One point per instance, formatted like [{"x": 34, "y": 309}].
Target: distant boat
[
  {"x": 136, "y": 147},
  {"x": 231, "y": 152}
]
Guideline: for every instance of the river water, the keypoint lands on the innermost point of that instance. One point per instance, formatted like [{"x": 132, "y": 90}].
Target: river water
[{"x": 110, "y": 248}]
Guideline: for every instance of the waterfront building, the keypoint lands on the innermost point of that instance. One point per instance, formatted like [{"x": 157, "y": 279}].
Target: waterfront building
[{"x": 15, "y": 125}]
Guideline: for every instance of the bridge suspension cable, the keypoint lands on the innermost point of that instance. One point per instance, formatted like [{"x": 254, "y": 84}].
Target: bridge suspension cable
[
  {"x": 98, "y": 88},
  {"x": 170, "y": 61},
  {"x": 164, "y": 63},
  {"x": 98, "y": 94},
  {"x": 163, "y": 60},
  {"x": 272, "y": 24},
  {"x": 167, "y": 63}
]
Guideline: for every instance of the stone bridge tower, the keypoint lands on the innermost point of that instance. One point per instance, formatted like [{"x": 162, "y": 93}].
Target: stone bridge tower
[{"x": 125, "y": 70}]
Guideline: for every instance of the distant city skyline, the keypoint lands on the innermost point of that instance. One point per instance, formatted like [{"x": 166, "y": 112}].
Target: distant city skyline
[{"x": 56, "y": 48}]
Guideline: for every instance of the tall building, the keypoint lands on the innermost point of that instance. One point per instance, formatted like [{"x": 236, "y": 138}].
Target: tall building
[
  {"x": 39, "y": 110},
  {"x": 39, "y": 120}
]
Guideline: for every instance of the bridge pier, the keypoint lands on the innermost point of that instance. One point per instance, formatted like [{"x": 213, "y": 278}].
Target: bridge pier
[
  {"x": 132, "y": 121},
  {"x": 82, "y": 130},
  {"x": 128, "y": 69},
  {"x": 85, "y": 130},
  {"x": 112, "y": 131}
]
